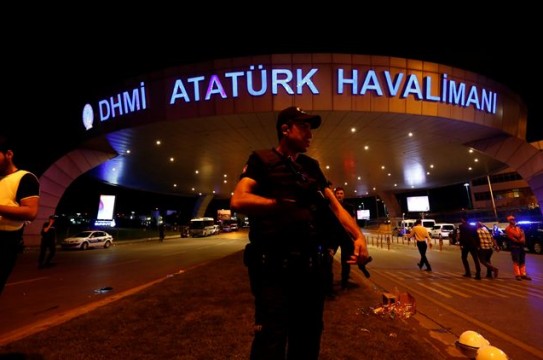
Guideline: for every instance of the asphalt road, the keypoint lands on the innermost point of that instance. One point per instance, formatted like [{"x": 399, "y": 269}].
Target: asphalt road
[
  {"x": 33, "y": 295},
  {"x": 507, "y": 312}
]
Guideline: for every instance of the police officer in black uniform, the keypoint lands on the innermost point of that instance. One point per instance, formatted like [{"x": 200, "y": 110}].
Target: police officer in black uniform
[{"x": 287, "y": 198}]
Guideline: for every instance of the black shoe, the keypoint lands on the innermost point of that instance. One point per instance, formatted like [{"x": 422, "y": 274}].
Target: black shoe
[
  {"x": 419, "y": 265},
  {"x": 477, "y": 277},
  {"x": 526, "y": 277},
  {"x": 467, "y": 275},
  {"x": 518, "y": 277}
]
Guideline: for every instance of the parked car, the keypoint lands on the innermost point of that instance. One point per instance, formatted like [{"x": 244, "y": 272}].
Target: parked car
[
  {"x": 534, "y": 237},
  {"x": 216, "y": 229},
  {"x": 88, "y": 239},
  {"x": 229, "y": 225},
  {"x": 533, "y": 232},
  {"x": 442, "y": 230}
]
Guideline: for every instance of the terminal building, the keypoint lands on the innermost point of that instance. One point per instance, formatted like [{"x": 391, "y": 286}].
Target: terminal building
[{"x": 390, "y": 125}]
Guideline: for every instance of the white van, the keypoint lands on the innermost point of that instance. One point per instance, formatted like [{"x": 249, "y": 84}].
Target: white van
[
  {"x": 428, "y": 224},
  {"x": 442, "y": 230},
  {"x": 204, "y": 226},
  {"x": 407, "y": 224}
]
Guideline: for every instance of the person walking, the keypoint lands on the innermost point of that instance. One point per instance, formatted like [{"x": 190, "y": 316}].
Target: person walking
[
  {"x": 161, "y": 229},
  {"x": 424, "y": 240},
  {"x": 48, "y": 244},
  {"x": 19, "y": 201},
  {"x": 288, "y": 200},
  {"x": 486, "y": 244},
  {"x": 469, "y": 243},
  {"x": 517, "y": 241}
]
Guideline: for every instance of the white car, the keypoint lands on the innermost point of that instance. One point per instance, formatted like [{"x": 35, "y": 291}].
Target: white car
[
  {"x": 88, "y": 239},
  {"x": 442, "y": 230}
]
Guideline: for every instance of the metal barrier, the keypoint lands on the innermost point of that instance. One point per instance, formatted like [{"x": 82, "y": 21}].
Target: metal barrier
[{"x": 381, "y": 239}]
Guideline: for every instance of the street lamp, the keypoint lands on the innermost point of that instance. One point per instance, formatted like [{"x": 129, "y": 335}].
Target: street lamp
[{"x": 467, "y": 192}]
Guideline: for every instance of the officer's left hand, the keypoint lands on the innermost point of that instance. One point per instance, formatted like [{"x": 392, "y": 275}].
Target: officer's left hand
[{"x": 360, "y": 253}]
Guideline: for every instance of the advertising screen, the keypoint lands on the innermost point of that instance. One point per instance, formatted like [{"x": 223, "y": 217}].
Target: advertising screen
[
  {"x": 106, "y": 207},
  {"x": 418, "y": 204},
  {"x": 363, "y": 214}
]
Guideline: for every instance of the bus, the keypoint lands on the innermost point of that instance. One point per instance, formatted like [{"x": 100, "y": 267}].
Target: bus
[{"x": 204, "y": 226}]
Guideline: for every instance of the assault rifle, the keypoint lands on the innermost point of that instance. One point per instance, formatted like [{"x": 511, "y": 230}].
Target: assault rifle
[
  {"x": 311, "y": 195},
  {"x": 328, "y": 221}
]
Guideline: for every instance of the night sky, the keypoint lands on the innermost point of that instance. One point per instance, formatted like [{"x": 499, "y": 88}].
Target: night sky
[{"x": 50, "y": 73}]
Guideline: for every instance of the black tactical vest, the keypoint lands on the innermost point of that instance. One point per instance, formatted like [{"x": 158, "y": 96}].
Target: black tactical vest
[{"x": 295, "y": 228}]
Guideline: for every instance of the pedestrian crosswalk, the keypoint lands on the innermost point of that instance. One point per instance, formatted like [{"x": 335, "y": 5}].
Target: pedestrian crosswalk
[{"x": 452, "y": 285}]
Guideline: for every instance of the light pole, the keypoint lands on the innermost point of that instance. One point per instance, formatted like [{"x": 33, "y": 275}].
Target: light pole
[
  {"x": 362, "y": 219},
  {"x": 469, "y": 197}
]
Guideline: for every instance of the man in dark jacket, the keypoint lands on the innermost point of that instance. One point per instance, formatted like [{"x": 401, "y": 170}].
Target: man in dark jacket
[
  {"x": 345, "y": 243},
  {"x": 469, "y": 243},
  {"x": 48, "y": 245}
]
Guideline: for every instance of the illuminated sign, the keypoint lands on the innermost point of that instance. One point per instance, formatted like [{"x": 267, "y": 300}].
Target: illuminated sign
[
  {"x": 418, "y": 203},
  {"x": 106, "y": 207},
  {"x": 123, "y": 103},
  {"x": 363, "y": 214},
  {"x": 259, "y": 81}
]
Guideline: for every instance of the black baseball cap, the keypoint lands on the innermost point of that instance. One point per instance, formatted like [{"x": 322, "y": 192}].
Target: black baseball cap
[
  {"x": 294, "y": 113},
  {"x": 5, "y": 144}
]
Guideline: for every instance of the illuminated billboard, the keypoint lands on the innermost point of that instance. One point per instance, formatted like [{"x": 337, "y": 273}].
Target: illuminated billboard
[
  {"x": 363, "y": 214},
  {"x": 106, "y": 207},
  {"x": 418, "y": 204}
]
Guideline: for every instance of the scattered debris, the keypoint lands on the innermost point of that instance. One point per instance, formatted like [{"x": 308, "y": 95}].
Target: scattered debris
[
  {"x": 103, "y": 290},
  {"x": 400, "y": 304}
]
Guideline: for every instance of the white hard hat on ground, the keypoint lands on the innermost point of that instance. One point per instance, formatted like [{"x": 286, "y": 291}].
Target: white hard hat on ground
[
  {"x": 490, "y": 352},
  {"x": 469, "y": 342},
  {"x": 473, "y": 339}
]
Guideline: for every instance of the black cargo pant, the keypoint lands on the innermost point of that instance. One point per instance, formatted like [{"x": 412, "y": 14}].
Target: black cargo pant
[
  {"x": 9, "y": 250},
  {"x": 48, "y": 249},
  {"x": 468, "y": 249},
  {"x": 289, "y": 297}
]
